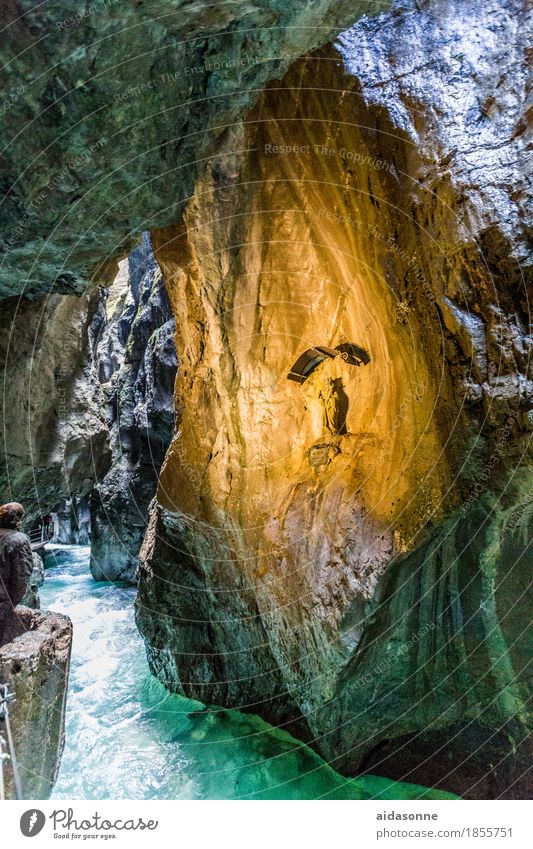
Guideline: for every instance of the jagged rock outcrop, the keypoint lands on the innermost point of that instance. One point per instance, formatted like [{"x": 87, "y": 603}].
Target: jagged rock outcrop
[
  {"x": 31, "y": 599},
  {"x": 439, "y": 686},
  {"x": 90, "y": 401},
  {"x": 34, "y": 662},
  {"x": 136, "y": 362},
  {"x": 374, "y": 207},
  {"x": 73, "y": 525},
  {"x": 53, "y": 413},
  {"x": 108, "y": 109}
]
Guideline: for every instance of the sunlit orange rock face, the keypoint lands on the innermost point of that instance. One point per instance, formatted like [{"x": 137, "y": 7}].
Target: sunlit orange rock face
[
  {"x": 308, "y": 489},
  {"x": 283, "y": 507},
  {"x": 265, "y": 269}
]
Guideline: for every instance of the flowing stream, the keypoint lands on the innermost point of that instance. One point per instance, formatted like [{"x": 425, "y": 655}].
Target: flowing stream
[{"x": 128, "y": 738}]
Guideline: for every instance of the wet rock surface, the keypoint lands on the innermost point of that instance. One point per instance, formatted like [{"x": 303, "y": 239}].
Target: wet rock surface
[
  {"x": 34, "y": 662},
  {"x": 439, "y": 684},
  {"x": 136, "y": 361},
  {"x": 73, "y": 520},
  {"x": 89, "y": 411},
  {"x": 372, "y": 192},
  {"x": 109, "y": 95},
  {"x": 53, "y": 413},
  {"x": 266, "y": 550},
  {"x": 31, "y": 599}
]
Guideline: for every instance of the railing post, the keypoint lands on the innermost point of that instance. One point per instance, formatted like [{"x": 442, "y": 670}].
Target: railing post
[
  {"x": 5, "y": 698},
  {"x": 2, "y": 757}
]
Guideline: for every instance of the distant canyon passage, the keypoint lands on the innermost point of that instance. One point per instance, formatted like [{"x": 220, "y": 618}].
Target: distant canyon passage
[{"x": 347, "y": 556}]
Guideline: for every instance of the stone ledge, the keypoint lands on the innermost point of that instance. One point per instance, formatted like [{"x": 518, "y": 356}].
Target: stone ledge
[{"x": 35, "y": 664}]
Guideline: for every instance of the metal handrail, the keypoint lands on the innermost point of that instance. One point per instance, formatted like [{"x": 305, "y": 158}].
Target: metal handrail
[
  {"x": 41, "y": 534},
  {"x": 5, "y": 697}
]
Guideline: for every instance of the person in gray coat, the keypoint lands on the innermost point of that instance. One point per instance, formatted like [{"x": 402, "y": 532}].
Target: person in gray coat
[{"x": 16, "y": 561}]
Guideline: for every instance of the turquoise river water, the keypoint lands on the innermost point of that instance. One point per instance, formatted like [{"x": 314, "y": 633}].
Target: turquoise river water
[{"x": 128, "y": 738}]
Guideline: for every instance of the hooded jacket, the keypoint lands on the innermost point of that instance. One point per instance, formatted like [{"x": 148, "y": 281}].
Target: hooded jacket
[{"x": 16, "y": 566}]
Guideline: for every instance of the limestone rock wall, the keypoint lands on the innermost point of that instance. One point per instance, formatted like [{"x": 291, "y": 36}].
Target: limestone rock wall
[
  {"x": 361, "y": 217},
  {"x": 73, "y": 526},
  {"x": 439, "y": 687},
  {"x": 108, "y": 107},
  {"x": 136, "y": 361},
  {"x": 31, "y": 598},
  {"x": 372, "y": 192},
  {"x": 34, "y": 662},
  {"x": 89, "y": 409},
  {"x": 53, "y": 414}
]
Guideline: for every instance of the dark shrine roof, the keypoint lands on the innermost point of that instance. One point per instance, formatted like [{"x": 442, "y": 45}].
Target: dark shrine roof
[{"x": 310, "y": 359}]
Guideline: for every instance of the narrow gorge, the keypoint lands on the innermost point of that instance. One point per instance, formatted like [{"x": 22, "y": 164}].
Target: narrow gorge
[{"x": 266, "y": 335}]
